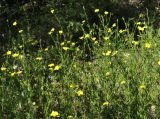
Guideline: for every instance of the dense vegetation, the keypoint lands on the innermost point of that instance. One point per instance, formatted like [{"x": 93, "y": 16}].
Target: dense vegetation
[{"x": 79, "y": 59}]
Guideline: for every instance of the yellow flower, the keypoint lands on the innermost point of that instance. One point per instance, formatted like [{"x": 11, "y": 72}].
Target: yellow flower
[
  {"x": 135, "y": 42},
  {"x": 13, "y": 74},
  {"x": 51, "y": 65},
  {"x": 73, "y": 44},
  {"x": 139, "y": 23},
  {"x": 9, "y": 52},
  {"x": 114, "y": 53},
  {"x": 71, "y": 85},
  {"x": 159, "y": 62},
  {"x": 121, "y": 31},
  {"x": 15, "y": 55},
  {"x": 80, "y": 93},
  {"x": 96, "y": 10},
  {"x": 54, "y": 114},
  {"x": 109, "y": 30},
  {"x": 83, "y": 21},
  {"x": 108, "y": 53},
  {"x": 39, "y": 58},
  {"x": 62, "y": 43},
  {"x": 46, "y": 49},
  {"x": 106, "y": 12},
  {"x": 3, "y": 68},
  {"x": 70, "y": 117},
  {"x": 86, "y": 35},
  {"x": 106, "y": 38},
  {"x": 141, "y": 28},
  {"x": 65, "y": 48},
  {"x": 52, "y": 11},
  {"x": 81, "y": 38},
  {"x": 57, "y": 67},
  {"x": 14, "y": 23},
  {"x": 60, "y": 32},
  {"x": 96, "y": 42},
  {"x": 105, "y": 103},
  {"x": 52, "y": 30},
  {"x": 49, "y": 33},
  {"x": 147, "y": 45},
  {"x": 122, "y": 82},
  {"x": 19, "y": 72},
  {"x": 114, "y": 25},
  {"x": 108, "y": 73},
  {"x": 142, "y": 86},
  {"x": 94, "y": 38},
  {"x": 20, "y": 31}
]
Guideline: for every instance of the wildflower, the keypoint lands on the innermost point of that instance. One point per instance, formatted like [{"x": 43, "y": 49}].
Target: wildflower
[
  {"x": 62, "y": 43},
  {"x": 73, "y": 44},
  {"x": 159, "y": 62},
  {"x": 65, "y": 48},
  {"x": 72, "y": 86},
  {"x": 51, "y": 65},
  {"x": 109, "y": 30},
  {"x": 13, "y": 74},
  {"x": 54, "y": 114},
  {"x": 105, "y": 103},
  {"x": 60, "y": 32},
  {"x": 20, "y": 31},
  {"x": 14, "y": 23},
  {"x": 39, "y": 58},
  {"x": 3, "y": 68},
  {"x": 80, "y": 93},
  {"x": 114, "y": 53},
  {"x": 108, "y": 53},
  {"x": 141, "y": 28},
  {"x": 106, "y": 38},
  {"x": 109, "y": 62},
  {"x": 147, "y": 45},
  {"x": 19, "y": 72},
  {"x": 114, "y": 25},
  {"x": 86, "y": 35},
  {"x": 121, "y": 31},
  {"x": 142, "y": 86},
  {"x": 122, "y": 82},
  {"x": 9, "y": 52},
  {"x": 21, "y": 56},
  {"x": 139, "y": 23},
  {"x": 15, "y": 55},
  {"x": 49, "y": 33},
  {"x": 52, "y": 30},
  {"x": 96, "y": 10},
  {"x": 108, "y": 73},
  {"x": 81, "y": 38},
  {"x": 83, "y": 21},
  {"x": 52, "y": 11},
  {"x": 96, "y": 42},
  {"x": 77, "y": 49},
  {"x": 135, "y": 42},
  {"x": 46, "y": 49},
  {"x": 57, "y": 68},
  {"x": 94, "y": 38},
  {"x": 70, "y": 117},
  {"x": 106, "y": 13}
]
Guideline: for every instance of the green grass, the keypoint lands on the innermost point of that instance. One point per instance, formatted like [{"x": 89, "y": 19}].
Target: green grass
[{"x": 121, "y": 81}]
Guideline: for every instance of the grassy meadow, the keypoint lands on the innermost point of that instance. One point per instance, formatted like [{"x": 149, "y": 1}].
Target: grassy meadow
[{"x": 106, "y": 73}]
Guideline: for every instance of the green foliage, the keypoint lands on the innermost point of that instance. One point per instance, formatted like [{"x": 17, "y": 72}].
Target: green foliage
[{"x": 73, "y": 60}]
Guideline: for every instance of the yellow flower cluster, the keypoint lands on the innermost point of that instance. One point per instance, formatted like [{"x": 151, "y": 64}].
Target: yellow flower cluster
[
  {"x": 80, "y": 93},
  {"x": 55, "y": 114}
]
